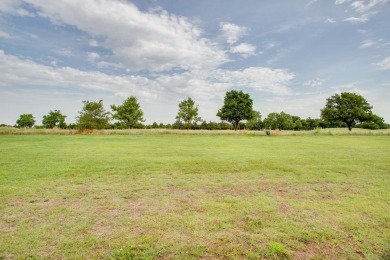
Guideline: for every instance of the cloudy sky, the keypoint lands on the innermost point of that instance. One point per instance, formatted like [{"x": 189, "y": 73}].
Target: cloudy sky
[{"x": 289, "y": 55}]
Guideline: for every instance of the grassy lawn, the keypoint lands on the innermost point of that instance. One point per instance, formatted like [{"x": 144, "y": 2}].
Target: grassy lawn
[{"x": 188, "y": 196}]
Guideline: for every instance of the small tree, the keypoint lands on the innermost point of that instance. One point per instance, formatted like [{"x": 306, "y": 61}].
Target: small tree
[
  {"x": 349, "y": 108},
  {"x": 25, "y": 120},
  {"x": 188, "y": 112},
  {"x": 298, "y": 125},
  {"x": 54, "y": 119},
  {"x": 93, "y": 116},
  {"x": 237, "y": 107},
  {"x": 129, "y": 113}
]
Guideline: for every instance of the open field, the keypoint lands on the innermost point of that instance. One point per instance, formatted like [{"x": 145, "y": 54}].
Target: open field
[{"x": 194, "y": 196}]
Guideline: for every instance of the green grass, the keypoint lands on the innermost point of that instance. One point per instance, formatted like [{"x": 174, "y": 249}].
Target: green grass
[{"x": 194, "y": 196}]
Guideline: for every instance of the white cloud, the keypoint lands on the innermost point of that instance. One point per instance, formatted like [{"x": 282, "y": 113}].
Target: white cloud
[
  {"x": 363, "y": 9},
  {"x": 257, "y": 78},
  {"x": 339, "y": 2},
  {"x": 17, "y": 71},
  {"x": 365, "y": 6},
  {"x": 14, "y": 7},
  {"x": 232, "y": 32},
  {"x": 93, "y": 56},
  {"x": 330, "y": 20},
  {"x": 245, "y": 49},
  {"x": 314, "y": 82},
  {"x": 93, "y": 43},
  {"x": 201, "y": 84},
  {"x": 362, "y": 19},
  {"x": 155, "y": 41},
  {"x": 384, "y": 64},
  {"x": 311, "y": 2},
  {"x": 367, "y": 44}
]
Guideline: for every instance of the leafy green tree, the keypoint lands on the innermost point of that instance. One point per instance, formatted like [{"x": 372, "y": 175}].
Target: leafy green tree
[
  {"x": 237, "y": 107},
  {"x": 312, "y": 123},
  {"x": 25, "y": 120},
  {"x": 255, "y": 123},
  {"x": 188, "y": 112},
  {"x": 271, "y": 121},
  {"x": 285, "y": 121},
  {"x": 129, "y": 113},
  {"x": 54, "y": 119},
  {"x": 378, "y": 121},
  {"x": 349, "y": 108},
  {"x": 93, "y": 116},
  {"x": 298, "y": 125},
  {"x": 375, "y": 122}
]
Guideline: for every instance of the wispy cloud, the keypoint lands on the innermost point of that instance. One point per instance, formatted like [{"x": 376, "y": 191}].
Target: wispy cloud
[
  {"x": 310, "y": 3},
  {"x": 367, "y": 44},
  {"x": 339, "y": 2},
  {"x": 330, "y": 20},
  {"x": 384, "y": 64},
  {"x": 245, "y": 49},
  {"x": 363, "y": 9}
]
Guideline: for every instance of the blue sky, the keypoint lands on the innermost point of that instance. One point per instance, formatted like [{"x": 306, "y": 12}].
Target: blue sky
[{"x": 289, "y": 55}]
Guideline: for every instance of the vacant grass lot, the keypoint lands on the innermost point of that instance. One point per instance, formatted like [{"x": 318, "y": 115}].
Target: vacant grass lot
[{"x": 187, "y": 196}]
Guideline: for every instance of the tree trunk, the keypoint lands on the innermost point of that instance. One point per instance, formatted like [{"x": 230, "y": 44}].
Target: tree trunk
[{"x": 235, "y": 124}]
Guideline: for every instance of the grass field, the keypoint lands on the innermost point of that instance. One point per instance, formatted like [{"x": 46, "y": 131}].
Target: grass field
[{"x": 194, "y": 196}]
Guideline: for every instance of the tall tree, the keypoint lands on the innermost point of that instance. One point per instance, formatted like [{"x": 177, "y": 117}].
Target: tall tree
[
  {"x": 93, "y": 116},
  {"x": 237, "y": 107},
  {"x": 188, "y": 112},
  {"x": 349, "y": 108},
  {"x": 54, "y": 119},
  {"x": 25, "y": 120},
  {"x": 129, "y": 113}
]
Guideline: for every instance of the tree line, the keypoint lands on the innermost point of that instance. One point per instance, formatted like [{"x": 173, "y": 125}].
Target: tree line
[{"x": 341, "y": 110}]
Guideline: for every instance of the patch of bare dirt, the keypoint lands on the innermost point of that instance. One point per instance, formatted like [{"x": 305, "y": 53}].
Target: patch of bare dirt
[
  {"x": 283, "y": 208},
  {"x": 315, "y": 251}
]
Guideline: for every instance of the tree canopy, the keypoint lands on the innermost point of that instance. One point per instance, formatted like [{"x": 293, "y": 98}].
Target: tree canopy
[
  {"x": 129, "y": 113},
  {"x": 93, "y": 116},
  {"x": 188, "y": 112},
  {"x": 255, "y": 122},
  {"x": 25, "y": 120},
  {"x": 349, "y": 108},
  {"x": 54, "y": 119},
  {"x": 237, "y": 107}
]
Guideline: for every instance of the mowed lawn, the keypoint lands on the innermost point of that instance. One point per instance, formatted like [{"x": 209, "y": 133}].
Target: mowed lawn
[{"x": 183, "y": 197}]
